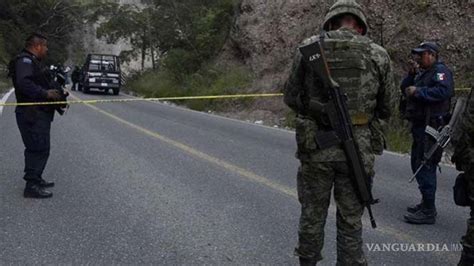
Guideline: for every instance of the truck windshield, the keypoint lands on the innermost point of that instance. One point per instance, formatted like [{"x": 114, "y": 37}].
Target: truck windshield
[{"x": 103, "y": 63}]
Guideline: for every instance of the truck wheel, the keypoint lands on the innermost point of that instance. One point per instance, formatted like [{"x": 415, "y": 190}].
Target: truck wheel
[
  {"x": 116, "y": 91},
  {"x": 85, "y": 89}
]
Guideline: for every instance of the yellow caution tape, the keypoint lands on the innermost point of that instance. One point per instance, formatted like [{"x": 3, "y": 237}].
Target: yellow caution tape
[
  {"x": 208, "y": 97},
  {"x": 148, "y": 99},
  {"x": 462, "y": 89}
]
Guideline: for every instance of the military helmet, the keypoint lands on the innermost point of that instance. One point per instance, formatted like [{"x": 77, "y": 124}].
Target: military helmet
[{"x": 344, "y": 7}]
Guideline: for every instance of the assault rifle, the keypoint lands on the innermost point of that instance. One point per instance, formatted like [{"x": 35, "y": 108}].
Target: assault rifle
[
  {"x": 337, "y": 114},
  {"x": 443, "y": 136},
  {"x": 57, "y": 80}
]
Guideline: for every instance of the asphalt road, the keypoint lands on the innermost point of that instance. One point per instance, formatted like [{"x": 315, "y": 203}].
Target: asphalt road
[{"x": 148, "y": 183}]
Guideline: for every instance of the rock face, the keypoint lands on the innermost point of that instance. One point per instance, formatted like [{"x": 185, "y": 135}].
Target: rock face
[{"x": 267, "y": 32}]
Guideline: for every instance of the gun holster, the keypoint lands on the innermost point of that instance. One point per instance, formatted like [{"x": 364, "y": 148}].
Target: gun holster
[
  {"x": 318, "y": 111},
  {"x": 324, "y": 138},
  {"x": 317, "y": 107},
  {"x": 460, "y": 193}
]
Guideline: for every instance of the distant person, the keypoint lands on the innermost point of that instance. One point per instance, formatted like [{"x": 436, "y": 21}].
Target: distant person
[
  {"x": 428, "y": 88},
  {"x": 32, "y": 84},
  {"x": 363, "y": 70},
  {"x": 76, "y": 75}
]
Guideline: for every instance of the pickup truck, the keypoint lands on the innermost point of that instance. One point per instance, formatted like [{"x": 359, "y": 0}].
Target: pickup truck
[{"x": 101, "y": 72}]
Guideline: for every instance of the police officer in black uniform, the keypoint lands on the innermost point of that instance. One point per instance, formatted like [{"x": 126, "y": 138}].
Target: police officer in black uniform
[
  {"x": 33, "y": 83},
  {"x": 76, "y": 75},
  {"x": 428, "y": 88}
]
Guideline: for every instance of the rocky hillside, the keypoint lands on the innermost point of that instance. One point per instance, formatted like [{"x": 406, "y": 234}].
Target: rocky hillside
[{"x": 267, "y": 31}]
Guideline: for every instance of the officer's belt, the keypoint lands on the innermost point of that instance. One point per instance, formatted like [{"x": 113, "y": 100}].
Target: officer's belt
[
  {"x": 329, "y": 138},
  {"x": 317, "y": 108}
]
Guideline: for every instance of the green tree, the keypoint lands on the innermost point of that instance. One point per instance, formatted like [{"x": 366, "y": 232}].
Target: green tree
[
  {"x": 149, "y": 30},
  {"x": 196, "y": 28},
  {"x": 54, "y": 18}
]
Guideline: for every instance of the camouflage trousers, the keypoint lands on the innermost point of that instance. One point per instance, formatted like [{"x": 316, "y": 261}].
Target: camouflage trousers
[{"x": 315, "y": 181}]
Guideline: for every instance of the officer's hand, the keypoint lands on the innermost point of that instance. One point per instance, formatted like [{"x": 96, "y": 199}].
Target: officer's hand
[
  {"x": 410, "y": 91},
  {"x": 53, "y": 95},
  {"x": 412, "y": 67}
]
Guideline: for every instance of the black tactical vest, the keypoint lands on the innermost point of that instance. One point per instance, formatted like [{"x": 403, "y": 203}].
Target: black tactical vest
[{"x": 40, "y": 77}]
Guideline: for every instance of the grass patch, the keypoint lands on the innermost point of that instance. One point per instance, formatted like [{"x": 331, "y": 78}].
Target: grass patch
[
  {"x": 398, "y": 137},
  {"x": 209, "y": 80},
  {"x": 289, "y": 121}
]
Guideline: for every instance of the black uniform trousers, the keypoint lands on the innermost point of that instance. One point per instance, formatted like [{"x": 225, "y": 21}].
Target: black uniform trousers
[{"x": 35, "y": 128}]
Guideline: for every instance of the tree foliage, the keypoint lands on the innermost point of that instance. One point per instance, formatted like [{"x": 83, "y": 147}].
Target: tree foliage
[
  {"x": 56, "y": 19},
  {"x": 141, "y": 27},
  {"x": 182, "y": 32}
]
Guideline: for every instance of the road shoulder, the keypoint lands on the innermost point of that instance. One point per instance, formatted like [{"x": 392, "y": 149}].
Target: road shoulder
[{"x": 3, "y": 98}]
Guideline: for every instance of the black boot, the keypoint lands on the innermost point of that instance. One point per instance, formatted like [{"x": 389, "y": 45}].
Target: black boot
[
  {"x": 44, "y": 183},
  {"x": 414, "y": 208},
  {"x": 422, "y": 216},
  {"x": 36, "y": 191},
  {"x": 308, "y": 261},
  {"x": 417, "y": 207}
]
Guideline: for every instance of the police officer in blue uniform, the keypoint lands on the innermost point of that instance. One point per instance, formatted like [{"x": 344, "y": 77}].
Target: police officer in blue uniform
[
  {"x": 33, "y": 83},
  {"x": 428, "y": 88}
]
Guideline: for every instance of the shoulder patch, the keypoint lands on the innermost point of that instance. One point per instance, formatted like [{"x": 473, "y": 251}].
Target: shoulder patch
[
  {"x": 26, "y": 60},
  {"x": 440, "y": 76}
]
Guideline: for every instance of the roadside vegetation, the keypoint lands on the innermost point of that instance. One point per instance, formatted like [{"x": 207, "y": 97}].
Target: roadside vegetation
[
  {"x": 183, "y": 38},
  {"x": 398, "y": 137},
  {"x": 55, "y": 19},
  {"x": 208, "y": 80},
  {"x": 5, "y": 85}
]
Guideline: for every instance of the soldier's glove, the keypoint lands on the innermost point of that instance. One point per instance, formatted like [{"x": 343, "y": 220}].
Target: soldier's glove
[{"x": 53, "y": 95}]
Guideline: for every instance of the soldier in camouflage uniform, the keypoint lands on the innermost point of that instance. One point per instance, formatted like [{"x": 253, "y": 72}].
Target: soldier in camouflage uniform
[
  {"x": 464, "y": 158},
  {"x": 363, "y": 69}
]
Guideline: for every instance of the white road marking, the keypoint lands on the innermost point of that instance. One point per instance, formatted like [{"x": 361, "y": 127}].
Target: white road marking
[{"x": 4, "y": 99}]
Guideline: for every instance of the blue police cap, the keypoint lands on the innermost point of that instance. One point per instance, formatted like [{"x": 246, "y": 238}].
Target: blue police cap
[{"x": 426, "y": 46}]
